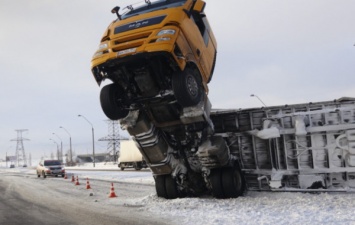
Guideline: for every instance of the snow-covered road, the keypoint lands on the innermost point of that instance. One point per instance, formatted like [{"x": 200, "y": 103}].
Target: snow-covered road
[{"x": 136, "y": 192}]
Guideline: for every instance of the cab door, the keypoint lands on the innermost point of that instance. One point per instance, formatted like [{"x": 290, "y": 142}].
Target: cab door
[
  {"x": 208, "y": 47},
  {"x": 202, "y": 42}
]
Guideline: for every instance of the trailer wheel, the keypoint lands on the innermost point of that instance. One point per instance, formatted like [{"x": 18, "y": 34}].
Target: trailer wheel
[
  {"x": 232, "y": 182},
  {"x": 111, "y": 104},
  {"x": 187, "y": 87},
  {"x": 216, "y": 183},
  {"x": 160, "y": 186}
]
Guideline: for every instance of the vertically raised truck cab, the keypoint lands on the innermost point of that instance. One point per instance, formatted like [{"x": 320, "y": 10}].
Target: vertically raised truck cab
[{"x": 159, "y": 56}]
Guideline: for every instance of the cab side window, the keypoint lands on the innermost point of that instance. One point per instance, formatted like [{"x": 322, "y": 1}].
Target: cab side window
[{"x": 202, "y": 24}]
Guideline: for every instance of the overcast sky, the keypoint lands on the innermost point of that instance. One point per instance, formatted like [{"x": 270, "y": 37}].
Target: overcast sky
[{"x": 284, "y": 51}]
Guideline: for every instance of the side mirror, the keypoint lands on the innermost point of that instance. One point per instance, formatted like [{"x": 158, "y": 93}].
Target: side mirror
[
  {"x": 115, "y": 10},
  {"x": 199, "y": 6}
]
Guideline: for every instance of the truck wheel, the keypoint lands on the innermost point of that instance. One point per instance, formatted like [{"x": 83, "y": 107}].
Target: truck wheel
[
  {"x": 232, "y": 182},
  {"x": 137, "y": 166},
  {"x": 160, "y": 186},
  {"x": 110, "y": 99},
  {"x": 216, "y": 183},
  {"x": 187, "y": 87},
  {"x": 171, "y": 188}
]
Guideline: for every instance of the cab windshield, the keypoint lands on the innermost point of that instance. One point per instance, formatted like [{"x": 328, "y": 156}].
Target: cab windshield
[{"x": 150, "y": 6}]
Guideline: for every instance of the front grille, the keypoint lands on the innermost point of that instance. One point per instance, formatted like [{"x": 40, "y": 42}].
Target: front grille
[{"x": 131, "y": 41}]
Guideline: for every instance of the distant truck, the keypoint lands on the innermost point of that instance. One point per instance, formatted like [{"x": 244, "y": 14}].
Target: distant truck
[{"x": 130, "y": 156}]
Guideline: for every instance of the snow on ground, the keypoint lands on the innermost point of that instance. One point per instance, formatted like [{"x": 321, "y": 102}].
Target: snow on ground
[{"x": 253, "y": 208}]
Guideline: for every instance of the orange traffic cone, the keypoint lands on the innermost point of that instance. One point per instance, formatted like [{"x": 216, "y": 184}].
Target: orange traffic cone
[
  {"x": 77, "y": 181},
  {"x": 112, "y": 192},
  {"x": 87, "y": 184},
  {"x": 72, "y": 178}
]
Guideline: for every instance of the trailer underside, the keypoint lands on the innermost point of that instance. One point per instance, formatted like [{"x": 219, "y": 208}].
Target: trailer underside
[{"x": 301, "y": 147}]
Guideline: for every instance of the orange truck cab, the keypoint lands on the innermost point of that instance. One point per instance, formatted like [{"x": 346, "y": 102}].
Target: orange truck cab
[{"x": 157, "y": 51}]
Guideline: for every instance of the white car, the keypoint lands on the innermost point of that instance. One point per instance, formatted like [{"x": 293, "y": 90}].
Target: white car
[{"x": 50, "y": 168}]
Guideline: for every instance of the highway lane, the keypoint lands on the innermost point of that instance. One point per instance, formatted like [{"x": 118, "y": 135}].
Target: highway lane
[
  {"x": 16, "y": 209},
  {"x": 26, "y": 199}
]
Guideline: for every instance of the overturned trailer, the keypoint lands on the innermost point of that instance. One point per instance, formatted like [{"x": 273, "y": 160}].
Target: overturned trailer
[{"x": 302, "y": 147}]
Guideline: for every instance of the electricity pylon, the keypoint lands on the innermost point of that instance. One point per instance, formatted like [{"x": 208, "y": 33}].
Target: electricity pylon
[
  {"x": 113, "y": 138},
  {"x": 20, "y": 149}
]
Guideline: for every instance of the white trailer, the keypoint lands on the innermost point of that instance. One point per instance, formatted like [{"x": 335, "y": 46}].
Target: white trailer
[
  {"x": 130, "y": 156},
  {"x": 303, "y": 147}
]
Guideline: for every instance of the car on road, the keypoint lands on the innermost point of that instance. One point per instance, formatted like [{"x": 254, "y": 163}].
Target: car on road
[
  {"x": 50, "y": 168},
  {"x": 12, "y": 166}
]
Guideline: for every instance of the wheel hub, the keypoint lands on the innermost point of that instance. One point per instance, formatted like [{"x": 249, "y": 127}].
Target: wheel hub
[{"x": 192, "y": 86}]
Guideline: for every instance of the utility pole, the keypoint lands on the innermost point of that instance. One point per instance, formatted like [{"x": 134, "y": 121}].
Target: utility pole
[
  {"x": 60, "y": 157},
  {"x": 93, "y": 138},
  {"x": 70, "y": 150},
  {"x": 58, "y": 154},
  {"x": 30, "y": 160},
  {"x": 20, "y": 149},
  {"x": 252, "y": 95}
]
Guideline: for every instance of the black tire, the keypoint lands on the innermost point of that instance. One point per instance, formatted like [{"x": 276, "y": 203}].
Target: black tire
[
  {"x": 56, "y": 175},
  {"x": 187, "y": 87},
  {"x": 38, "y": 175},
  {"x": 171, "y": 188},
  {"x": 232, "y": 182},
  {"x": 122, "y": 168},
  {"x": 110, "y": 99},
  {"x": 137, "y": 166},
  {"x": 44, "y": 174},
  {"x": 216, "y": 183},
  {"x": 160, "y": 186}
]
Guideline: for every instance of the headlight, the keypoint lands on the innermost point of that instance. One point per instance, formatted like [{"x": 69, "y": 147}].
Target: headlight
[
  {"x": 163, "y": 39},
  {"x": 168, "y": 31},
  {"x": 101, "y": 50},
  {"x": 98, "y": 54},
  {"x": 103, "y": 46}
]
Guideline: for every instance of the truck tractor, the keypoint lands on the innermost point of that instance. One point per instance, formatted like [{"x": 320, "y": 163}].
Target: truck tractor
[{"x": 160, "y": 56}]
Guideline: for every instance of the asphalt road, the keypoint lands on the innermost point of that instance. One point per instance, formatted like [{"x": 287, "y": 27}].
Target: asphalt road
[{"x": 28, "y": 200}]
